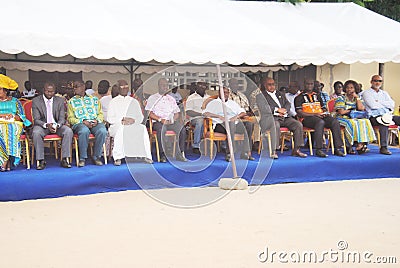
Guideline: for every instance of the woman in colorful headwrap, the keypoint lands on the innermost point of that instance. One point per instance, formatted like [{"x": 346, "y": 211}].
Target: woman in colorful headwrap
[
  {"x": 12, "y": 120},
  {"x": 350, "y": 112}
]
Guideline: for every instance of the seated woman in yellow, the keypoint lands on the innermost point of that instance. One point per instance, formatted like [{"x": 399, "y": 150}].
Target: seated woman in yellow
[
  {"x": 350, "y": 112},
  {"x": 12, "y": 119}
]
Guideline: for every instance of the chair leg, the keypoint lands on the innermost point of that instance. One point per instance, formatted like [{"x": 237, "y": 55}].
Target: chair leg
[
  {"x": 76, "y": 151},
  {"x": 55, "y": 149},
  {"x": 282, "y": 142},
  {"x": 310, "y": 142},
  {"x": 28, "y": 164},
  {"x": 105, "y": 153},
  {"x": 157, "y": 149},
  {"x": 269, "y": 144}
]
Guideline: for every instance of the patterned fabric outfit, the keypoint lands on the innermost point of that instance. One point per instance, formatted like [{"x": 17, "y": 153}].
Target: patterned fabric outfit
[
  {"x": 10, "y": 132},
  {"x": 87, "y": 108},
  {"x": 356, "y": 130}
]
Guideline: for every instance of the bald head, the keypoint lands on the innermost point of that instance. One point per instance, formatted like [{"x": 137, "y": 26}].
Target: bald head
[
  {"x": 376, "y": 82},
  {"x": 162, "y": 86}
]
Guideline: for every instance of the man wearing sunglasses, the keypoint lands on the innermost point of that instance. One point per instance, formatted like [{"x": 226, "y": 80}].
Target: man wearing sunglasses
[{"x": 380, "y": 107}]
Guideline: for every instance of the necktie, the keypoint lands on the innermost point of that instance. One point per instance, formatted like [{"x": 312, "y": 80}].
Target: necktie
[{"x": 49, "y": 112}]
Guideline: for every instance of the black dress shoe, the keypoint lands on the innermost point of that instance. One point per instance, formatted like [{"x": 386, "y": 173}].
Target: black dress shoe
[
  {"x": 64, "y": 163},
  {"x": 385, "y": 151},
  {"x": 180, "y": 157},
  {"x": 337, "y": 152},
  {"x": 246, "y": 156},
  {"x": 41, "y": 165},
  {"x": 228, "y": 158},
  {"x": 298, "y": 153},
  {"x": 196, "y": 151},
  {"x": 320, "y": 153},
  {"x": 163, "y": 159}
]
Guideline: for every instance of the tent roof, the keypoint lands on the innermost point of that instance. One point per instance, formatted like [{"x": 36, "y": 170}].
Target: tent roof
[{"x": 218, "y": 31}]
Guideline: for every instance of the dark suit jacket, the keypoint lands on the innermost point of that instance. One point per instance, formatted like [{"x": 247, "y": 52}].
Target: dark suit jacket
[
  {"x": 266, "y": 106},
  {"x": 39, "y": 112}
]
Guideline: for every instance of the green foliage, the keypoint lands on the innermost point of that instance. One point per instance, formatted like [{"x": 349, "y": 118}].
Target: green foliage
[{"x": 388, "y": 8}]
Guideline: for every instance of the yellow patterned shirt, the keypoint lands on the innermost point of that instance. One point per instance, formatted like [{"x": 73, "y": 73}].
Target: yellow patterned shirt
[{"x": 84, "y": 108}]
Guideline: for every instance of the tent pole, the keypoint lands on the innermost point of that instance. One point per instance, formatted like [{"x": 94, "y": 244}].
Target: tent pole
[
  {"x": 131, "y": 76},
  {"x": 234, "y": 183}
]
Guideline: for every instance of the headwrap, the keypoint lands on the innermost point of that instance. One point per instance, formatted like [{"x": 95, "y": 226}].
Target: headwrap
[{"x": 7, "y": 82}]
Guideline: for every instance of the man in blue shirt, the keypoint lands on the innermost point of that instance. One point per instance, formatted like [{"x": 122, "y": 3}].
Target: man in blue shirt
[{"x": 380, "y": 107}]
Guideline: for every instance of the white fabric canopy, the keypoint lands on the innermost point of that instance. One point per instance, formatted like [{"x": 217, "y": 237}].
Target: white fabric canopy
[{"x": 218, "y": 31}]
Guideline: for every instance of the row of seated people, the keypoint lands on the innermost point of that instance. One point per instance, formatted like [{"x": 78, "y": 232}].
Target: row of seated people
[
  {"x": 85, "y": 116},
  {"x": 358, "y": 112},
  {"x": 355, "y": 115}
]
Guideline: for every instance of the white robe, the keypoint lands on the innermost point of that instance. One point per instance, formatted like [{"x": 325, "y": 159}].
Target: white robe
[{"x": 129, "y": 140}]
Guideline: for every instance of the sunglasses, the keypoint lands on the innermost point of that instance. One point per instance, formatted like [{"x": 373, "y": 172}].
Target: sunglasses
[{"x": 380, "y": 81}]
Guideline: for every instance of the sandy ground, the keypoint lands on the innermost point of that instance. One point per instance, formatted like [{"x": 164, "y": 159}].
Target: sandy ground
[{"x": 130, "y": 229}]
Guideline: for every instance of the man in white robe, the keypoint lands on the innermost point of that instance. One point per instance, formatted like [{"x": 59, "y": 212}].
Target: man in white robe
[{"x": 130, "y": 135}]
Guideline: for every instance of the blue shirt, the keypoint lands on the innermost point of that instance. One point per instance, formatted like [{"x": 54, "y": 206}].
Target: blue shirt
[{"x": 377, "y": 103}]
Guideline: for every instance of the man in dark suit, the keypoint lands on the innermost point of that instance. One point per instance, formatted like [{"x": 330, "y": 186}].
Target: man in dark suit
[
  {"x": 48, "y": 113},
  {"x": 273, "y": 108}
]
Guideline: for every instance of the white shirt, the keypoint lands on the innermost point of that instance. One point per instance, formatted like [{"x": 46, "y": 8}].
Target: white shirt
[
  {"x": 164, "y": 106},
  {"x": 290, "y": 97},
  {"x": 105, "y": 102},
  {"x": 89, "y": 91},
  {"x": 274, "y": 97},
  {"x": 195, "y": 101},
  {"x": 51, "y": 109},
  {"x": 30, "y": 93},
  {"x": 215, "y": 107},
  {"x": 120, "y": 107}
]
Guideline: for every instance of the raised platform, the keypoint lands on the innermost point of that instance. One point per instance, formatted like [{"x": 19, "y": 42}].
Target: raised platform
[{"x": 54, "y": 181}]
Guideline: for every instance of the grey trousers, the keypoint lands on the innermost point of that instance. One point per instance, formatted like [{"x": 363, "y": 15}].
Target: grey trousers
[
  {"x": 294, "y": 126},
  {"x": 64, "y": 132}
]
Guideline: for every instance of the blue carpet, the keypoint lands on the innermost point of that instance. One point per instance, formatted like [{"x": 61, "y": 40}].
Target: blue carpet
[{"x": 54, "y": 181}]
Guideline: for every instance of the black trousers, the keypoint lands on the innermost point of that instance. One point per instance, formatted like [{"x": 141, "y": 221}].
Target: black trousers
[{"x": 318, "y": 124}]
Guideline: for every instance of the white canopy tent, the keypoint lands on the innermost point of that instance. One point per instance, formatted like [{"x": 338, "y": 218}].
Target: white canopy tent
[{"x": 109, "y": 34}]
